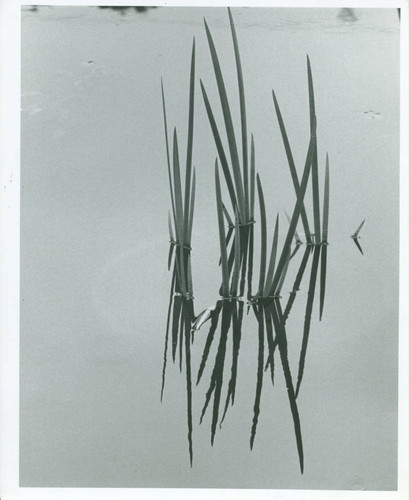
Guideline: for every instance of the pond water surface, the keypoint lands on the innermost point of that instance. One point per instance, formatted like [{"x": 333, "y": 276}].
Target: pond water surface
[{"x": 94, "y": 244}]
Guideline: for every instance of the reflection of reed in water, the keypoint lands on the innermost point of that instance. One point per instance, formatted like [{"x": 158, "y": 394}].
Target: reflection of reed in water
[{"x": 236, "y": 258}]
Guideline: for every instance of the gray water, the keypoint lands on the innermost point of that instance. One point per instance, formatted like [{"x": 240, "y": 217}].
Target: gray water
[{"x": 94, "y": 243}]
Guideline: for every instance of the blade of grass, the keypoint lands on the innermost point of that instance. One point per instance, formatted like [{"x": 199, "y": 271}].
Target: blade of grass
[
  {"x": 188, "y": 324},
  {"x": 165, "y": 351},
  {"x": 171, "y": 241},
  {"x": 179, "y": 206},
  {"x": 237, "y": 317},
  {"x": 270, "y": 340},
  {"x": 271, "y": 266},
  {"x": 277, "y": 291},
  {"x": 283, "y": 349},
  {"x": 294, "y": 219},
  {"x": 250, "y": 263},
  {"x": 291, "y": 164},
  {"x": 242, "y": 113},
  {"x": 308, "y": 313},
  {"x": 228, "y": 124},
  {"x": 296, "y": 235},
  {"x": 219, "y": 147},
  {"x": 326, "y": 203},
  {"x": 209, "y": 340},
  {"x": 323, "y": 277},
  {"x": 189, "y": 142},
  {"x": 263, "y": 235},
  {"x": 260, "y": 363},
  {"x": 297, "y": 283},
  {"x": 222, "y": 239},
  {"x": 237, "y": 258},
  {"x": 167, "y": 153},
  {"x": 314, "y": 174},
  {"x": 181, "y": 334},
  {"x": 252, "y": 178},
  {"x": 177, "y": 304},
  {"x": 219, "y": 364},
  {"x": 324, "y": 238},
  {"x": 192, "y": 209}
]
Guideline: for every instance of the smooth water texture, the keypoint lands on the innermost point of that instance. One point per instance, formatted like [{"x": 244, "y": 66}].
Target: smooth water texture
[{"x": 94, "y": 244}]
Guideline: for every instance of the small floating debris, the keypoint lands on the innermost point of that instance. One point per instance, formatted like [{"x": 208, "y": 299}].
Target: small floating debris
[
  {"x": 355, "y": 237},
  {"x": 203, "y": 317}
]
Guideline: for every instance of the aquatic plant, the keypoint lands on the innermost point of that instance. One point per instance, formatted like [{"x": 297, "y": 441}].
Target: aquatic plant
[
  {"x": 236, "y": 233},
  {"x": 181, "y": 292}
]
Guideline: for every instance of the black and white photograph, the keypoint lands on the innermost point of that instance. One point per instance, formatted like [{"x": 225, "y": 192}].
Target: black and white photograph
[{"x": 205, "y": 258}]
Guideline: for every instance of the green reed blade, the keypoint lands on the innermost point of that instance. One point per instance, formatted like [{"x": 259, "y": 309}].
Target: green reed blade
[
  {"x": 189, "y": 274},
  {"x": 296, "y": 235},
  {"x": 307, "y": 320},
  {"x": 181, "y": 335},
  {"x": 283, "y": 275},
  {"x": 228, "y": 218},
  {"x": 260, "y": 363},
  {"x": 228, "y": 124},
  {"x": 323, "y": 277},
  {"x": 250, "y": 263},
  {"x": 171, "y": 241},
  {"x": 192, "y": 209},
  {"x": 214, "y": 318},
  {"x": 283, "y": 349},
  {"x": 291, "y": 164},
  {"x": 270, "y": 340},
  {"x": 170, "y": 254},
  {"x": 219, "y": 364},
  {"x": 165, "y": 351},
  {"x": 297, "y": 282},
  {"x": 219, "y": 147},
  {"x": 222, "y": 239},
  {"x": 179, "y": 207},
  {"x": 177, "y": 188},
  {"x": 228, "y": 238},
  {"x": 297, "y": 209},
  {"x": 209, "y": 393},
  {"x": 314, "y": 170},
  {"x": 263, "y": 224},
  {"x": 167, "y": 153},
  {"x": 244, "y": 244},
  {"x": 325, "y": 216},
  {"x": 237, "y": 317},
  {"x": 242, "y": 113},
  {"x": 271, "y": 265},
  {"x": 177, "y": 304},
  {"x": 237, "y": 257},
  {"x": 187, "y": 221},
  {"x": 252, "y": 178},
  {"x": 188, "y": 324}
]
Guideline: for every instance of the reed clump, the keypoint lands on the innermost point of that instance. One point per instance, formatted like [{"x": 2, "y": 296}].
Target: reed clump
[{"x": 236, "y": 231}]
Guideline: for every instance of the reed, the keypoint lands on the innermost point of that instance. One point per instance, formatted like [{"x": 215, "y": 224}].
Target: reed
[
  {"x": 236, "y": 158},
  {"x": 180, "y": 234}
]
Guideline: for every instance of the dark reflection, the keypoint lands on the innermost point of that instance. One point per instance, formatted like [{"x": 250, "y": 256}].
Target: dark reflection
[
  {"x": 308, "y": 313},
  {"x": 270, "y": 320},
  {"x": 231, "y": 324},
  {"x": 347, "y": 15},
  {"x": 355, "y": 240},
  {"x": 124, "y": 9}
]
